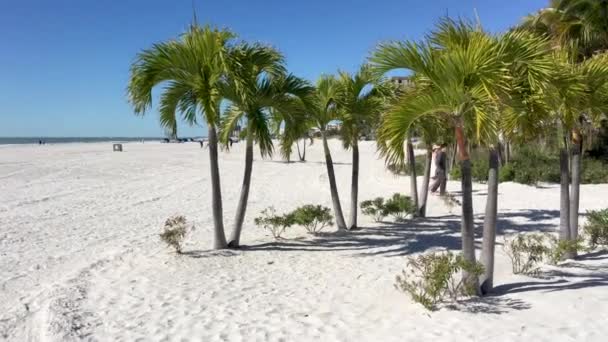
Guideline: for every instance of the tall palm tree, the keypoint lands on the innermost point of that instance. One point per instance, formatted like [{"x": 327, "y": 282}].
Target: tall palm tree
[
  {"x": 461, "y": 78},
  {"x": 322, "y": 107},
  {"x": 578, "y": 88},
  {"x": 291, "y": 127},
  {"x": 458, "y": 70},
  {"x": 360, "y": 100},
  {"x": 193, "y": 69},
  {"x": 580, "y": 29},
  {"x": 262, "y": 84}
]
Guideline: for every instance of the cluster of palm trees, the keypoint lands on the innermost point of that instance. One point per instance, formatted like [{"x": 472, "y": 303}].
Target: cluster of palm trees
[
  {"x": 207, "y": 76},
  {"x": 467, "y": 86},
  {"x": 549, "y": 72}
]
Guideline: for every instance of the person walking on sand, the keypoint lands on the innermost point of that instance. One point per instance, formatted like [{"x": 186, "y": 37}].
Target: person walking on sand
[{"x": 440, "y": 168}]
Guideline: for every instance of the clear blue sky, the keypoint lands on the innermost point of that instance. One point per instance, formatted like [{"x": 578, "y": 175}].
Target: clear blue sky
[{"x": 64, "y": 64}]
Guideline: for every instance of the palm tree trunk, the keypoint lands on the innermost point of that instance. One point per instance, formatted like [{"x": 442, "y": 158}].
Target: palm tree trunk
[
  {"x": 354, "y": 187},
  {"x": 489, "y": 224},
  {"x": 467, "y": 224},
  {"x": 507, "y": 152},
  {"x": 242, "y": 206},
  {"x": 335, "y": 198},
  {"x": 564, "y": 210},
  {"x": 412, "y": 164},
  {"x": 219, "y": 237},
  {"x": 453, "y": 159},
  {"x": 298, "y": 147},
  {"x": 304, "y": 153},
  {"x": 424, "y": 191},
  {"x": 576, "y": 185}
]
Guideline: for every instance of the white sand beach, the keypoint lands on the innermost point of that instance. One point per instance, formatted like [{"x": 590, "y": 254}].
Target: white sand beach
[{"x": 80, "y": 256}]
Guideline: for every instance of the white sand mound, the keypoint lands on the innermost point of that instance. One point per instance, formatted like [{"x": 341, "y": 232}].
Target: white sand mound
[{"x": 80, "y": 257}]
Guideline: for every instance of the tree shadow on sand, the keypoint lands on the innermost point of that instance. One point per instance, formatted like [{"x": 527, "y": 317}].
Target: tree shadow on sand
[
  {"x": 488, "y": 305},
  {"x": 571, "y": 275},
  {"x": 413, "y": 236}
]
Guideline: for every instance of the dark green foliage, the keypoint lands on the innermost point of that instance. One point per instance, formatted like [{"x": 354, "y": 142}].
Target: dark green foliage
[
  {"x": 399, "y": 206},
  {"x": 374, "y": 208},
  {"x": 312, "y": 217},
  {"x": 526, "y": 251},
  {"x": 531, "y": 165},
  {"x": 596, "y": 228},
  {"x": 558, "y": 249},
  {"x": 174, "y": 232},
  {"x": 594, "y": 171},
  {"x": 404, "y": 169},
  {"x": 276, "y": 224},
  {"x": 432, "y": 278}
]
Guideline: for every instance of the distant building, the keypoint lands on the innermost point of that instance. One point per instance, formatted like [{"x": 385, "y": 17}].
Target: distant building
[{"x": 401, "y": 81}]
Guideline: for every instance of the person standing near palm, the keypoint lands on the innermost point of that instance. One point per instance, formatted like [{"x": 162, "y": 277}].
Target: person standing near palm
[{"x": 440, "y": 168}]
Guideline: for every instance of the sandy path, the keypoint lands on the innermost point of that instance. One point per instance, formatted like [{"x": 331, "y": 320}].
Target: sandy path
[{"x": 80, "y": 258}]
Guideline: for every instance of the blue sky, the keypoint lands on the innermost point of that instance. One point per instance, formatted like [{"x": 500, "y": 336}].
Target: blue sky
[{"x": 64, "y": 65}]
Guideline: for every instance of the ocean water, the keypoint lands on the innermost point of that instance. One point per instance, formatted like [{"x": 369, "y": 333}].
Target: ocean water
[{"x": 67, "y": 140}]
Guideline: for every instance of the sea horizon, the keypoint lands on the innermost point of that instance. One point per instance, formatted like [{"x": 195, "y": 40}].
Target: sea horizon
[{"x": 67, "y": 140}]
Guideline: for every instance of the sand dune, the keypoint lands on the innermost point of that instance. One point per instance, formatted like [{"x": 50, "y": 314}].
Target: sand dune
[{"x": 80, "y": 257}]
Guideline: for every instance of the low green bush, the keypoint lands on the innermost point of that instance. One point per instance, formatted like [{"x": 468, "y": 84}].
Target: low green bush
[
  {"x": 434, "y": 277},
  {"x": 404, "y": 169},
  {"x": 312, "y": 217},
  {"x": 175, "y": 230},
  {"x": 594, "y": 171},
  {"x": 596, "y": 228},
  {"x": 558, "y": 249},
  {"x": 276, "y": 224},
  {"x": 530, "y": 165},
  {"x": 399, "y": 206},
  {"x": 526, "y": 251},
  {"x": 374, "y": 208}
]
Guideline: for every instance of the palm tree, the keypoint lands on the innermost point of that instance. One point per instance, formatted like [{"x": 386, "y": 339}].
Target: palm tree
[
  {"x": 461, "y": 78},
  {"x": 296, "y": 125},
  {"x": 578, "y": 88},
  {"x": 322, "y": 107},
  {"x": 193, "y": 69},
  {"x": 262, "y": 84},
  {"x": 579, "y": 24},
  {"x": 360, "y": 100},
  {"x": 580, "y": 29},
  {"x": 458, "y": 71}
]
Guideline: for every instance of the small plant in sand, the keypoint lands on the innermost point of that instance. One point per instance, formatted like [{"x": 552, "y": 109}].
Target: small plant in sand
[
  {"x": 559, "y": 249},
  {"x": 450, "y": 201},
  {"x": 596, "y": 228},
  {"x": 276, "y": 224},
  {"x": 175, "y": 230},
  {"x": 374, "y": 208},
  {"x": 399, "y": 206},
  {"x": 435, "y": 277},
  {"x": 313, "y": 217},
  {"x": 526, "y": 251}
]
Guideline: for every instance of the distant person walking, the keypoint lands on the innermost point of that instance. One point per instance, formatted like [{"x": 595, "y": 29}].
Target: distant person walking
[{"x": 440, "y": 168}]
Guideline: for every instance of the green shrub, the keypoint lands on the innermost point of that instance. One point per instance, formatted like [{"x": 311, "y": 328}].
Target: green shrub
[
  {"x": 526, "y": 251},
  {"x": 276, "y": 224},
  {"x": 399, "y": 206},
  {"x": 313, "y": 217},
  {"x": 596, "y": 228},
  {"x": 374, "y": 208},
  {"x": 174, "y": 232},
  {"x": 594, "y": 171},
  {"x": 530, "y": 165},
  {"x": 404, "y": 169},
  {"x": 560, "y": 248},
  {"x": 432, "y": 278}
]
